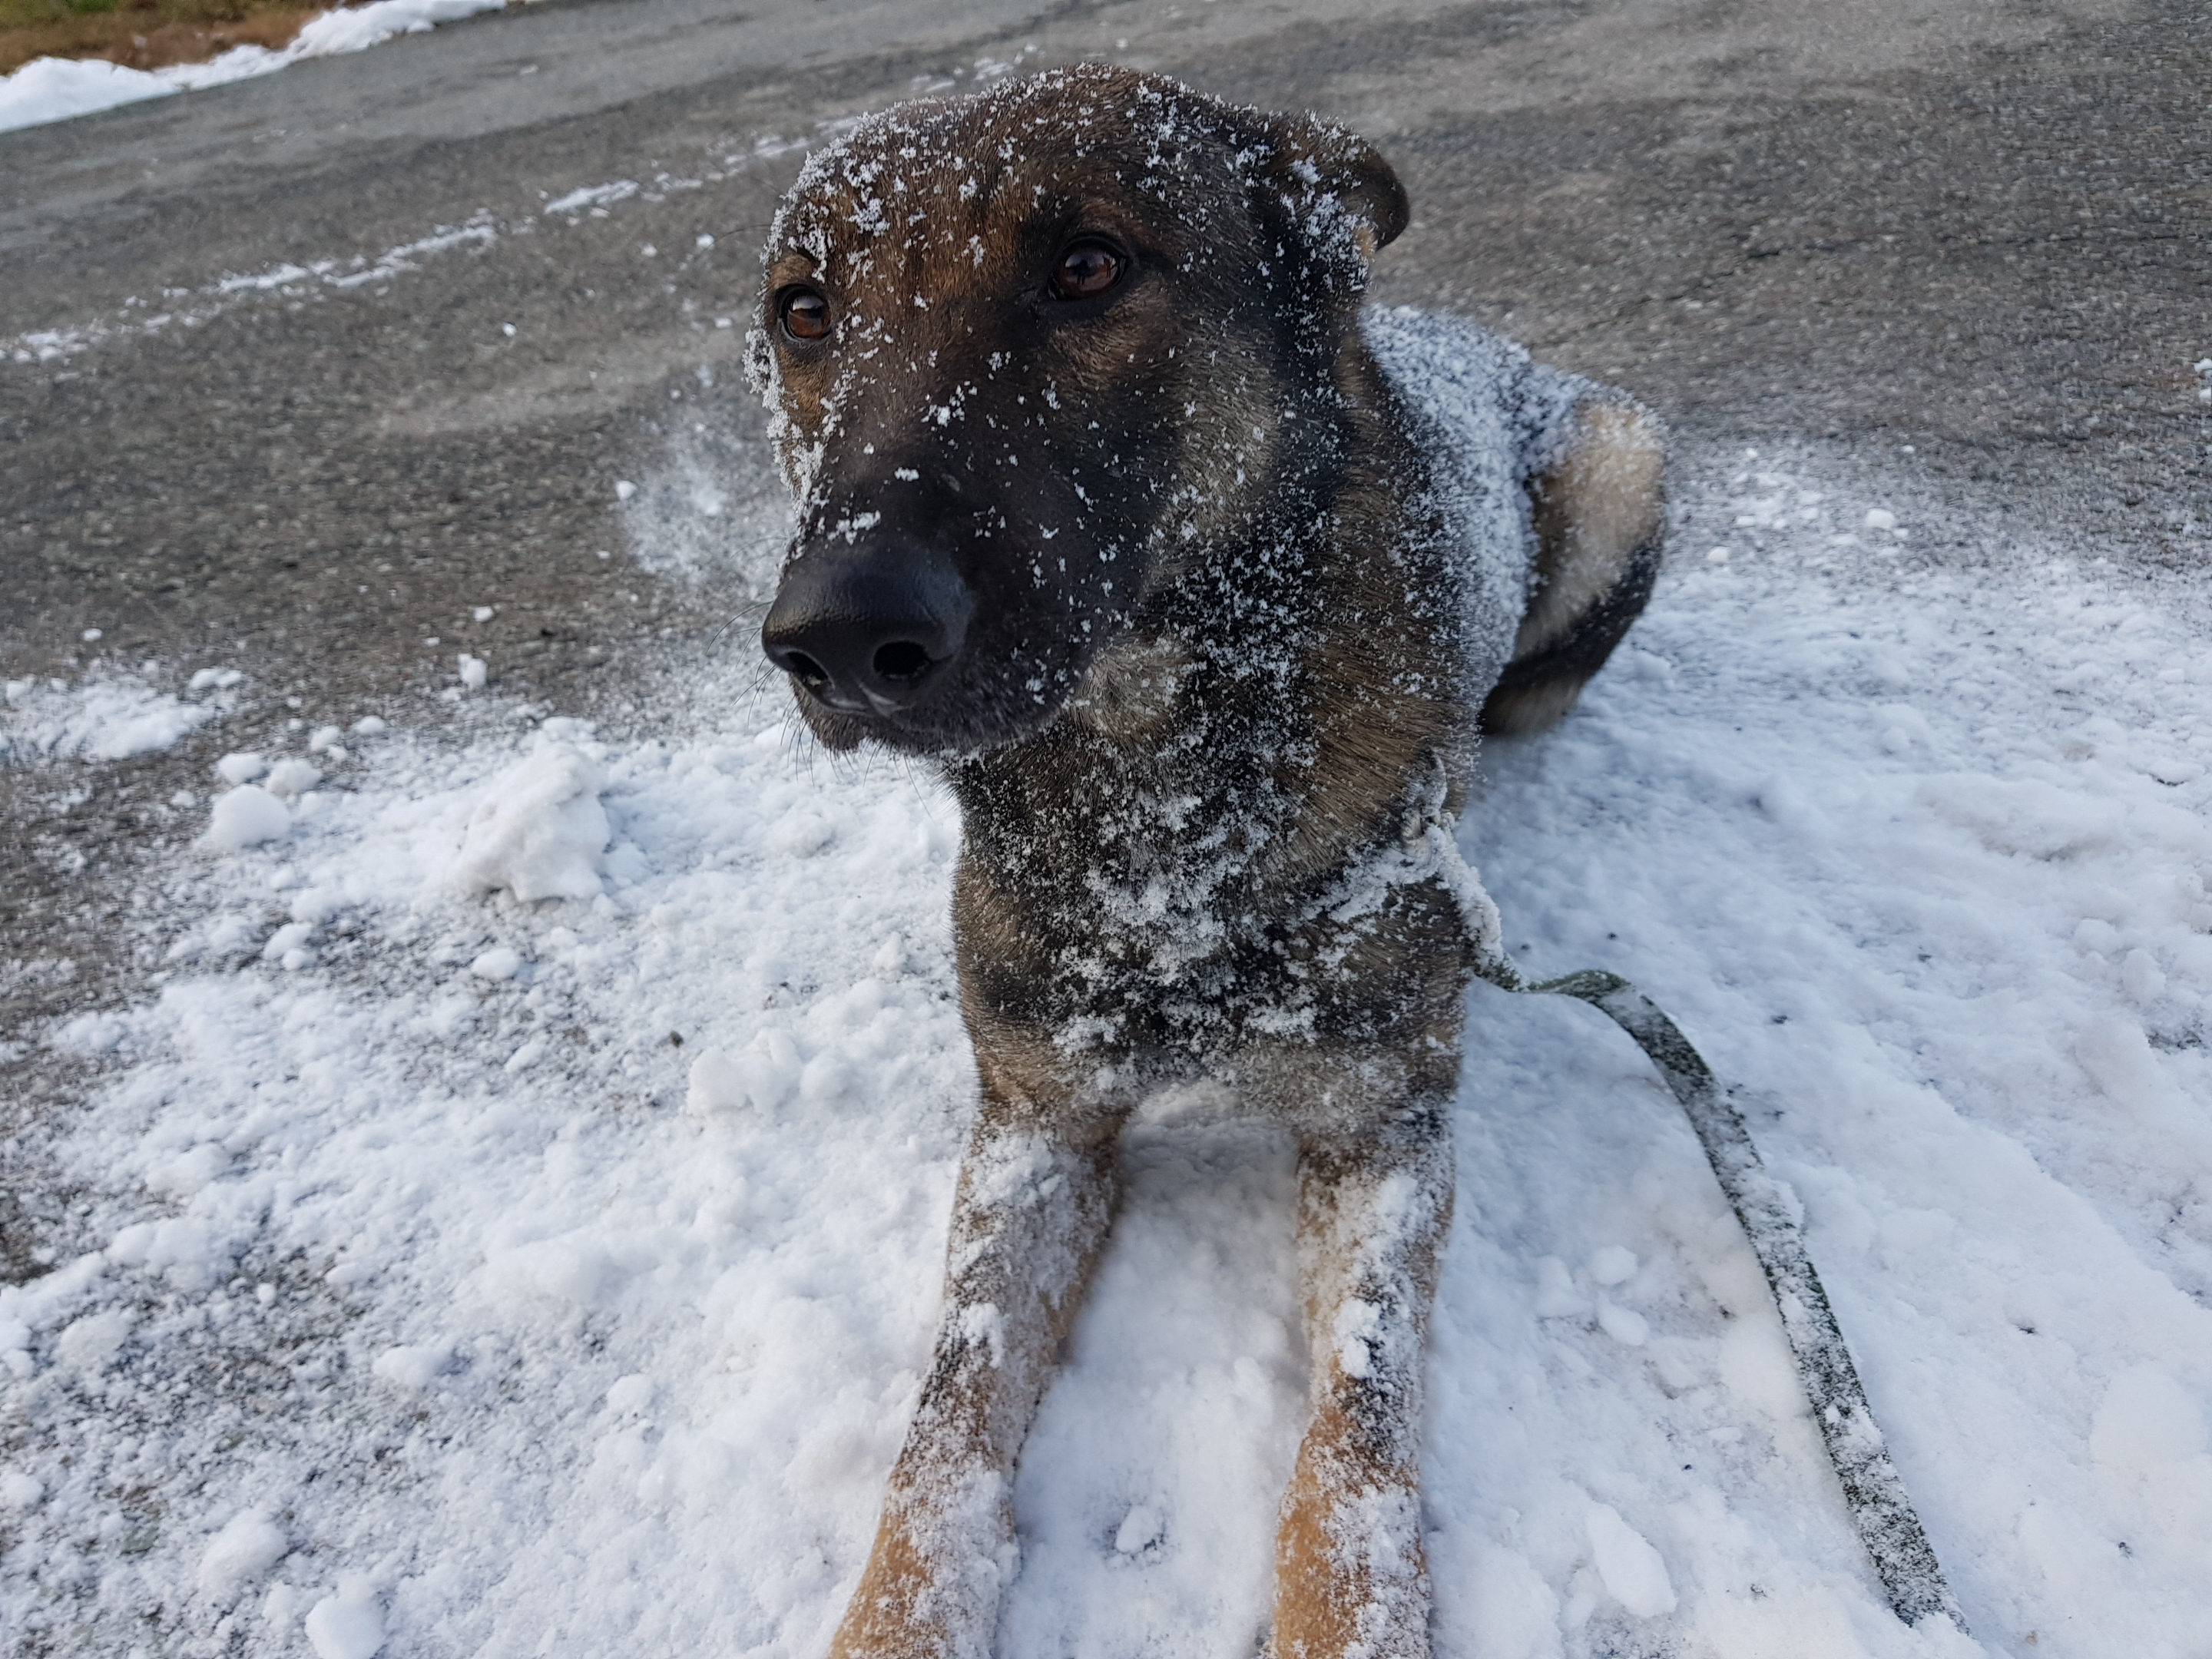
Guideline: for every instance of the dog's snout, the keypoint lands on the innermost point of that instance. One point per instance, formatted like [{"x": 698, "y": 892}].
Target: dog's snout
[{"x": 867, "y": 630}]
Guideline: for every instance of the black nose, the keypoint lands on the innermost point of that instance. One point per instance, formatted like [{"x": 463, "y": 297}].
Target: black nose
[{"x": 866, "y": 628}]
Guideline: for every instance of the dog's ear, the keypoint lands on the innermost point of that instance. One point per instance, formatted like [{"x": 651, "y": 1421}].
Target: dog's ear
[{"x": 1325, "y": 174}]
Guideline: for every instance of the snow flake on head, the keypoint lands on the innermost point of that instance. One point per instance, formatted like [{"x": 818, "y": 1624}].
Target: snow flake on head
[
  {"x": 1057, "y": 332},
  {"x": 898, "y": 179}
]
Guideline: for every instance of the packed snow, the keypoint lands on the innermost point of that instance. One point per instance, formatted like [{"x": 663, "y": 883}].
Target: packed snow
[
  {"x": 521, "y": 1193},
  {"x": 55, "y": 88}
]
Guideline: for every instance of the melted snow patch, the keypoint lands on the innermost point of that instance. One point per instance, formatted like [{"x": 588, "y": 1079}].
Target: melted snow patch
[
  {"x": 588, "y": 197},
  {"x": 99, "y": 719},
  {"x": 714, "y": 510}
]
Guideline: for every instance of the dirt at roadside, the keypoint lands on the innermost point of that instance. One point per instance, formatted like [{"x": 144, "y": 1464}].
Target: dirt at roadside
[{"x": 144, "y": 34}]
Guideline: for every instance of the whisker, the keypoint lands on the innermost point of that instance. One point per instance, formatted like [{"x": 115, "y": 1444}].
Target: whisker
[{"x": 747, "y": 612}]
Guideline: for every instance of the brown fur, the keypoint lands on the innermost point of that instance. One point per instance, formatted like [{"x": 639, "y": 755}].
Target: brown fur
[{"x": 1212, "y": 704}]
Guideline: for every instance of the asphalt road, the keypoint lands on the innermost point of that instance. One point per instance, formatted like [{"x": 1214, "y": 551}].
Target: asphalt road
[{"x": 1981, "y": 230}]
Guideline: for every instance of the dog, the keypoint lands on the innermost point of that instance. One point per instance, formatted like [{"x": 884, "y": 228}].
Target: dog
[{"x": 1197, "y": 579}]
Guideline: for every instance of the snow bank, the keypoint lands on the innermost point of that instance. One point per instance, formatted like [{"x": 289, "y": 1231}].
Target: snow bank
[
  {"x": 99, "y": 719},
  {"x": 55, "y": 88},
  {"x": 353, "y": 28},
  {"x": 555, "y": 1272}
]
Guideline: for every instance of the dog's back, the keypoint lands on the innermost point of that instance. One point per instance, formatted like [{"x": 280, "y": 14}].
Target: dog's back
[{"x": 1555, "y": 485}]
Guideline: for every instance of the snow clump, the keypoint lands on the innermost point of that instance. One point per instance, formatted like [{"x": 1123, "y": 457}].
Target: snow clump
[
  {"x": 347, "y": 1625},
  {"x": 538, "y": 829},
  {"x": 291, "y": 778},
  {"x": 242, "y": 766},
  {"x": 245, "y": 817},
  {"x": 247, "y": 1547},
  {"x": 1631, "y": 1569}
]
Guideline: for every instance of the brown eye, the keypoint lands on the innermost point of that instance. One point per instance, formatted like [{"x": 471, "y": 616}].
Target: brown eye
[
  {"x": 1086, "y": 270},
  {"x": 805, "y": 313}
]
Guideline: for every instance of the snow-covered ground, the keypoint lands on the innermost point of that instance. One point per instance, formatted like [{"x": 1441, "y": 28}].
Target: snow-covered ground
[
  {"x": 55, "y": 88},
  {"x": 522, "y": 1192}
]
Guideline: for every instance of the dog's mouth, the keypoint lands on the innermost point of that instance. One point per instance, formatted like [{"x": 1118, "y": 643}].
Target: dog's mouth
[{"x": 937, "y": 718}]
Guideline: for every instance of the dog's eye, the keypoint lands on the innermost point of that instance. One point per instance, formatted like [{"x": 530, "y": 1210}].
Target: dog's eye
[
  {"x": 1086, "y": 270},
  {"x": 803, "y": 312}
]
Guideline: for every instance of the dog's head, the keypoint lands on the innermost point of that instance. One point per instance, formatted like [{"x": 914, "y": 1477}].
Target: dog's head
[{"x": 1027, "y": 355}]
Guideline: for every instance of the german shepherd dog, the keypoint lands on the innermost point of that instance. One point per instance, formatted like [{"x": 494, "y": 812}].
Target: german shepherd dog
[{"x": 1197, "y": 579}]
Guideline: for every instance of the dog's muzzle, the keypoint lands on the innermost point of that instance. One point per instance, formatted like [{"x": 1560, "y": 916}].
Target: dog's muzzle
[{"x": 869, "y": 629}]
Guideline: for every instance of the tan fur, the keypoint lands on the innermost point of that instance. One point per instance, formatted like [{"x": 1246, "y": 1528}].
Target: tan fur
[
  {"x": 1599, "y": 513},
  {"x": 1527, "y": 714},
  {"x": 1593, "y": 507},
  {"x": 1350, "y": 1573}
]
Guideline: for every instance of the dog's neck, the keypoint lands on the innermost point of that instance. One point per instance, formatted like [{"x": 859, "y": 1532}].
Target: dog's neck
[{"x": 1250, "y": 736}]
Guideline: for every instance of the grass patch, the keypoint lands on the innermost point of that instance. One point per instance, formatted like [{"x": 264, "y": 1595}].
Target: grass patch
[{"x": 144, "y": 33}]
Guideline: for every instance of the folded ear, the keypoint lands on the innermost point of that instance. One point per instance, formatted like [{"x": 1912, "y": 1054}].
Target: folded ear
[{"x": 1325, "y": 174}]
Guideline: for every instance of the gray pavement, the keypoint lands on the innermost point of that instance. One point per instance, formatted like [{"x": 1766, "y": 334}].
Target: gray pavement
[{"x": 1981, "y": 230}]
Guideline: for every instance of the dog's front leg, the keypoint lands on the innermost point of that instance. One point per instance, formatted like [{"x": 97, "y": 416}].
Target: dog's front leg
[
  {"x": 1351, "y": 1576},
  {"x": 1034, "y": 1200}
]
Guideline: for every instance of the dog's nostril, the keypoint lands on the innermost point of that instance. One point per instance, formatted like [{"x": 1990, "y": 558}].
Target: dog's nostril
[
  {"x": 901, "y": 659},
  {"x": 809, "y": 672}
]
